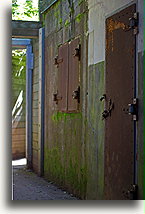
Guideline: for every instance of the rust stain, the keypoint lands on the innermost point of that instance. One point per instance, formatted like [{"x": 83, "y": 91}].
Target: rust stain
[{"x": 113, "y": 25}]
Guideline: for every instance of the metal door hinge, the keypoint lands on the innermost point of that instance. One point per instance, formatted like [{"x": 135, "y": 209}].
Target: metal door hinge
[
  {"x": 133, "y": 192},
  {"x": 57, "y": 61},
  {"x": 133, "y": 109},
  {"x": 56, "y": 97},
  {"x": 133, "y": 23},
  {"x": 77, "y": 52},
  {"x": 76, "y": 94}
]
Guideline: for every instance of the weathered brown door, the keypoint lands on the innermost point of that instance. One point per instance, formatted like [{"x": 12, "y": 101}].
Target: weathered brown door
[{"x": 119, "y": 125}]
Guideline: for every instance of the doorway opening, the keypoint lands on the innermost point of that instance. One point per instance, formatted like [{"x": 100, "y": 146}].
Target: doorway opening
[
  {"x": 18, "y": 104},
  {"x": 22, "y": 66}
]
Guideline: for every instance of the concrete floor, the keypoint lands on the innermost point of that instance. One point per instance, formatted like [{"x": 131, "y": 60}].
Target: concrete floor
[{"x": 28, "y": 186}]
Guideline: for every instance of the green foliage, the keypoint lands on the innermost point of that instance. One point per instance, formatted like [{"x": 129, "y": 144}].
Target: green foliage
[
  {"x": 18, "y": 84},
  {"x": 18, "y": 63},
  {"x": 24, "y": 10}
]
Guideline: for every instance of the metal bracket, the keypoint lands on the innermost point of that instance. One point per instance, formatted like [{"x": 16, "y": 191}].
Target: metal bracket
[{"x": 133, "y": 109}]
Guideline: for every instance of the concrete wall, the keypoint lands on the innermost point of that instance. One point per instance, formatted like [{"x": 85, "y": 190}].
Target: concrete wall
[{"x": 64, "y": 158}]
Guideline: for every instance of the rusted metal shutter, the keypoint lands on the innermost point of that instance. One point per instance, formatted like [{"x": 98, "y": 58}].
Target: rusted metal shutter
[
  {"x": 119, "y": 126},
  {"x": 74, "y": 87},
  {"x": 62, "y": 77}
]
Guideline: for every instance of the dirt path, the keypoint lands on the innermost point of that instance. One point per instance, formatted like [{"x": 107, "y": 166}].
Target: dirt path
[{"x": 28, "y": 186}]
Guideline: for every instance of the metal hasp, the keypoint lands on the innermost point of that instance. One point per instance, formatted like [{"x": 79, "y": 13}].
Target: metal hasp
[{"x": 133, "y": 109}]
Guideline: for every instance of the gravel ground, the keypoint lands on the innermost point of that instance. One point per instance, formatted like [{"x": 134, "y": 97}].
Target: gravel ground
[{"x": 28, "y": 186}]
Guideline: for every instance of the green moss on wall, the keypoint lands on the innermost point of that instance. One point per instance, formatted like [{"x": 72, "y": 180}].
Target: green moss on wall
[
  {"x": 67, "y": 171},
  {"x": 53, "y": 165},
  {"x": 63, "y": 162},
  {"x": 59, "y": 116}
]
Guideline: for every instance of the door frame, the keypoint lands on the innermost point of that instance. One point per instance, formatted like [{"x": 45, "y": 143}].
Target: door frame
[{"x": 26, "y": 44}]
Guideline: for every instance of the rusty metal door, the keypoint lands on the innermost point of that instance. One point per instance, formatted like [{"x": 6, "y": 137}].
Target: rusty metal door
[
  {"x": 74, "y": 88},
  {"x": 62, "y": 77},
  {"x": 119, "y": 125}
]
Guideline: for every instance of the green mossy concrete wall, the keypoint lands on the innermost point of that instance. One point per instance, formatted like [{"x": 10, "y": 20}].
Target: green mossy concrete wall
[
  {"x": 74, "y": 143},
  {"x": 64, "y": 148}
]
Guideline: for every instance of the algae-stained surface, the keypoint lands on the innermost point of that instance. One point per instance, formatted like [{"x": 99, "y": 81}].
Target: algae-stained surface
[
  {"x": 95, "y": 132},
  {"x": 64, "y": 147},
  {"x": 74, "y": 142},
  {"x": 63, "y": 152}
]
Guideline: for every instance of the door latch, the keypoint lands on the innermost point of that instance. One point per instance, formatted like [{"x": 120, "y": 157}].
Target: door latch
[
  {"x": 133, "y": 109},
  {"x": 76, "y": 94}
]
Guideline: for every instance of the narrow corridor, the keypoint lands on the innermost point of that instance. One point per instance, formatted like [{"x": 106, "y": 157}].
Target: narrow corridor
[{"x": 28, "y": 186}]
